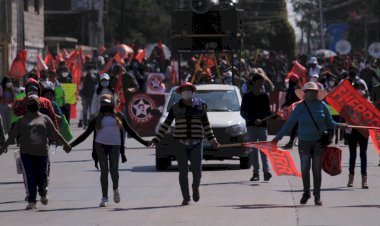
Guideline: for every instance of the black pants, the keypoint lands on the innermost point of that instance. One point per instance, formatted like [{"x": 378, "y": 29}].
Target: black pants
[
  {"x": 354, "y": 139},
  {"x": 37, "y": 175}
]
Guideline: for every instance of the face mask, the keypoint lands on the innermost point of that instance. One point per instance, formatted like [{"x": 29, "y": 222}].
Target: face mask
[
  {"x": 187, "y": 95},
  {"x": 331, "y": 83},
  {"x": 32, "y": 107},
  {"x": 92, "y": 71},
  {"x": 104, "y": 83},
  {"x": 313, "y": 79},
  {"x": 106, "y": 109},
  {"x": 65, "y": 74},
  {"x": 8, "y": 85},
  {"x": 32, "y": 93}
]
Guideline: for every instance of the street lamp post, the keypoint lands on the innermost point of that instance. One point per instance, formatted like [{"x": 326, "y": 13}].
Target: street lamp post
[{"x": 321, "y": 24}]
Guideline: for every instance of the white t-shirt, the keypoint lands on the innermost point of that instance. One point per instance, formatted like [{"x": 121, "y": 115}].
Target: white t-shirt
[{"x": 109, "y": 134}]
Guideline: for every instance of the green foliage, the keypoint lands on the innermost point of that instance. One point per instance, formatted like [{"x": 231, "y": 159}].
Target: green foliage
[
  {"x": 145, "y": 21},
  {"x": 266, "y": 26}
]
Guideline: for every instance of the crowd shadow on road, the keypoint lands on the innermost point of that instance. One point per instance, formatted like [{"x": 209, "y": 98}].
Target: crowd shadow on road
[
  {"x": 174, "y": 168},
  {"x": 322, "y": 189},
  {"x": 69, "y": 209},
  {"x": 11, "y": 182},
  {"x": 359, "y": 206},
  {"x": 232, "y": 183},
  {"x": 147, "y": 208},
  {"x": 264, "y": 206},
  {"x": 73, "y": 161}
]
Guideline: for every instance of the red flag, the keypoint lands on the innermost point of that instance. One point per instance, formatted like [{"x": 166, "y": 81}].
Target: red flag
[
  {"x": 286, "y": 112},
  {"x": 18, "y": 67},
  {"x": 281, "y": 160},
  {"x": 353, "y": 107},
  {"x": 174, "y": 80},
  {"x": 50, "y": 62},
  {"x": 110, "y": 62},
  {"x": 161, "y": 53},
  {"x": 41, "y": 66},
  {"x": 102, "y": 50},
  {"x": 140, "y": 55},
  {"x": 65, "y": 54},
  {"x": 301, "y": 71}
]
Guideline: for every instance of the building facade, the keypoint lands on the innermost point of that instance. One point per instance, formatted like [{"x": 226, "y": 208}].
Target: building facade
[{"x": 21, "y": 27}]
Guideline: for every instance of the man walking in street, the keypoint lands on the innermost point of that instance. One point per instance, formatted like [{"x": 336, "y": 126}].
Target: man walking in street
[{"x": 254, "y": 107}]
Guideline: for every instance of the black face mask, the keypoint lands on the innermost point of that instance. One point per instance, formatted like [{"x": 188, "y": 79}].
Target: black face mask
[
  {"x": 32, "y": 107},
  {"x": 106, "y": 109}
]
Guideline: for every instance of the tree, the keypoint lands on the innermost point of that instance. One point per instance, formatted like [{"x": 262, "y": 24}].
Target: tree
[{"x": 266, "y": 26}]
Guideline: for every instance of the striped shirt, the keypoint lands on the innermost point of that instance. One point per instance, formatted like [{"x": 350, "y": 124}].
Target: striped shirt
[{"x": 191, "y": 122}]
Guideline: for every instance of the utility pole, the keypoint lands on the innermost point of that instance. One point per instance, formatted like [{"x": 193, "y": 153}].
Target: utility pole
[
  {"x": 321, "y": 24},
  {"x": 122, "y": 21},
  {"x": 100, "y": 41}
]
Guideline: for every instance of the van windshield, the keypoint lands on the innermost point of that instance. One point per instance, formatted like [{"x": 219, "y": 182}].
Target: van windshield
[{"x": 216, "y": 100}]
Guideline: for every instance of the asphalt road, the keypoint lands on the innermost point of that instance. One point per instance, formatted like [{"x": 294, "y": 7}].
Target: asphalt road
[{"x": 149, "y": 197}]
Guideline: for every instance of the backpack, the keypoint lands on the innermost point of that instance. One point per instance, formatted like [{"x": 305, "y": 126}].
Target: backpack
[{"x": 332, "y": 160}]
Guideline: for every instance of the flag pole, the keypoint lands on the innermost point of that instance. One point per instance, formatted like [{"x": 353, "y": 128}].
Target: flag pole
[{"x": 363, "y": 127}]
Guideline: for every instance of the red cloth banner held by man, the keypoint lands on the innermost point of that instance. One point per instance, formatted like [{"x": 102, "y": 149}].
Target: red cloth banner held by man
[
  {"x": 301, "y": 71},
  {"x": 41, "y": 66},
  {"x": 50, "y": 62},
  {"x": 281, "y": 160},
  {"x": 18, "y": 67},
  {"x": 353, "y": 107}
]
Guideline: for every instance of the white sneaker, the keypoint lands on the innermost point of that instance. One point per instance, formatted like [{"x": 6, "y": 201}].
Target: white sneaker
[
  {"x": 104, "y": 202},
  {"x": 44, "y": 200},
  {"x": 31, "y": 206},
  {"x": 116, "y": 196}
]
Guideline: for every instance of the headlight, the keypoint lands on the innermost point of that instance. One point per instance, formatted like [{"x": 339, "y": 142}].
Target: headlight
[{"x": 238, "y": 129}]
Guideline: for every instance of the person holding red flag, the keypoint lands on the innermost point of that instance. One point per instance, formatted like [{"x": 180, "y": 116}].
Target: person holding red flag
[{"x": 313, "y": 118}]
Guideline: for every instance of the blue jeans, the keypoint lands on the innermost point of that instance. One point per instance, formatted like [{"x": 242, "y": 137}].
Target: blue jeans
[
  {"x": 354, "y": 139},
  {"x": 255, "y": 134},
  {"x": 311, "y": 156},
  {"x": 194, "y": 154},
  {"x": 37, "y": 175}
]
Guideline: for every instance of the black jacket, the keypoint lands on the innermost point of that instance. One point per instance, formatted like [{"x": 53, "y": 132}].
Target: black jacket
[{"x": 91, "y": 128}]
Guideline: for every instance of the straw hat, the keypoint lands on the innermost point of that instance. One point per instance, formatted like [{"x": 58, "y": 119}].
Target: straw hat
[
  {"x": 186, "y": 84},
  {"x": 311, "y": 86}
]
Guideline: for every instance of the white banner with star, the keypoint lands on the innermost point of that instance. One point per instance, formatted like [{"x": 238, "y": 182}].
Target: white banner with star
[{"x": 155, "y": 83}]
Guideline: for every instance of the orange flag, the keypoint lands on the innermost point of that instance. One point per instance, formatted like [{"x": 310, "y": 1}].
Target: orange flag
[
  {"x": 41, "y": 66},
  {"x": 282, "y": 162},
  {"x": 140, "y": 55},
  {"x": 50, "y": 62},
  {"x": 301, "y": 71},
  {"x": 110, "y": 62},
  {"x": 18, "y": 67}
]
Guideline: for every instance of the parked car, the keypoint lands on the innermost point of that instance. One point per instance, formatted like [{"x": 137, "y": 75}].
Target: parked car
[{"x": 223, "y": 103}]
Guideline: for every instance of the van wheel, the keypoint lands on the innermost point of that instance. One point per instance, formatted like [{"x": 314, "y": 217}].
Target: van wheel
[
  {"x": 163, "y": 163},
  {"x": 245, "y": 163}
]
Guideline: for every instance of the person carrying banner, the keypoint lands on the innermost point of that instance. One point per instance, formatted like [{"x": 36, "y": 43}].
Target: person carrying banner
[
  {"x": 191, "y": 122},
  {"x": 311, "y": 110},
  {"x": 34, "y": 129},
  {"x": 109, "y": 127},
  {"x": 257, "y": 129},
  {"x": 356, "y": 137}
]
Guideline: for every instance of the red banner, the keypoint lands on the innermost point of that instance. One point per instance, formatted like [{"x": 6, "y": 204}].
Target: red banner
[
  {"x": 50, "y": 62},
  {"x": 353, "y": 107},
  {"x": 41, "y": 66},
  {"x": 139, "y": 112},
  {"x": 282, "y": 162},
  {"x": 18, "y": 67}
]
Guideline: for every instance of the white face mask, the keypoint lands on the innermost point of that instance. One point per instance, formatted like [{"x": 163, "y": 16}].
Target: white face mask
[
  {"x": 313, "y": 79},
  {"x": 104, "y": 83},
  {"x": 331, "y": 83},
  {"x": 187, "y": 95},
  {"x": 8, "y": 85},
  {"x": 92, "y": 71},
  {"x": 65, "y": 74}
]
